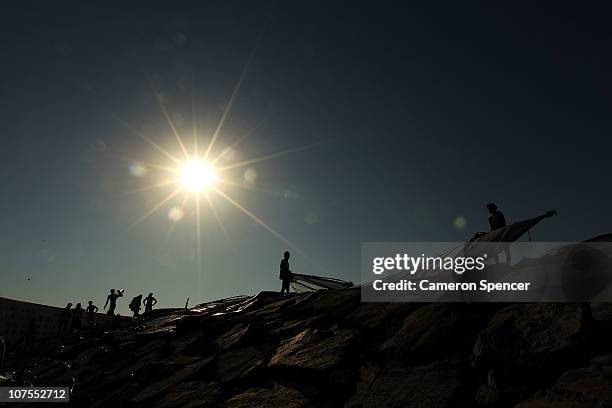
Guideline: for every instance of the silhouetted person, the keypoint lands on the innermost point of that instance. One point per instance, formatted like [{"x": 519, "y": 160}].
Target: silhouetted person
[
  {"x": 111, "y": 302},
  {"x": 77, "y": 317},
  {"x": 30, "y": 337},
  {"x": 64, "y": 320},
  {"x": 149, "y": 302},
  {"x": 496, "y": 219},
  {"x": 91, "y": 311},
  {"x": 285, "y": 273},
  {"x": 135, "y": 305}
]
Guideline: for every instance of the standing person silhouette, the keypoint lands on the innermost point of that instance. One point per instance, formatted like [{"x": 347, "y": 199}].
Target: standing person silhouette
[
  {"x": 149, "y": 302},
  {"x": 91, "y": 311},
  {"x": 285, "y": 273},
  {"x": 64, "y": 320},
  {"x": 112, "y": 300},
  {"x": 77, "y": 317},
  {"x": 135, "y": 305}
]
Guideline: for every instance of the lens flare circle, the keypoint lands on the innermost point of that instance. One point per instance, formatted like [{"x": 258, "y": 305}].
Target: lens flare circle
[
  {"x": 196, "y": 176},
  {"x": 175, "y": 214}
]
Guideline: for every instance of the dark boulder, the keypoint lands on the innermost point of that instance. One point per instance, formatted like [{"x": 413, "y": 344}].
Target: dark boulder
[
  {"x": 436, "y": 331},
  {"x": 191, "y": 395},
  {"x": 589, "y": 386},
  {"x": 397, "y": 384},
  {"x": 314, "y": 349},
  {"x": 526, "y": 346},
  {"x": 275, "y": 396}
]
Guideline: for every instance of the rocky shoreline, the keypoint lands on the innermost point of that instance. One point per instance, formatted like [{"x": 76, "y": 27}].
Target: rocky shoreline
[{"x": 328, "y": 349}]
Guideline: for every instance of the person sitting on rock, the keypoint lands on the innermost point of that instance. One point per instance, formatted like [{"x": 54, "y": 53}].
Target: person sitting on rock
[
  {"x": 496, "y": 219},
  {"x": 149, "y": 302},
  {"x": 285, "y": 273}
]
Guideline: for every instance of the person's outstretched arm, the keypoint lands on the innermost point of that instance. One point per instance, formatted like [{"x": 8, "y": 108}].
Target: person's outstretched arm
[{"x": 106, "y": 303}]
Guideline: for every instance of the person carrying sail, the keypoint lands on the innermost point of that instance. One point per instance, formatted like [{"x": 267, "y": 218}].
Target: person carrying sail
[{"x": 285, "y": 273}]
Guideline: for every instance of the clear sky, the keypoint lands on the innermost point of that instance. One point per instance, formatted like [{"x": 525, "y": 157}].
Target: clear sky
[{"x": 418, "y": 115}]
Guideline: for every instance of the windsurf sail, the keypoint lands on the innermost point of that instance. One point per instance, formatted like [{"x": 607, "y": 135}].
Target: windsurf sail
[
  {"x": 507, "y": 234},
  {"x": 311, "y": 283},
  {"x": 514, "y": 231}
]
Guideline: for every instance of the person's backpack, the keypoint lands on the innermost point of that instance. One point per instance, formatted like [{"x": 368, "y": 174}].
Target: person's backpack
[{"x": 134, "y": 303}]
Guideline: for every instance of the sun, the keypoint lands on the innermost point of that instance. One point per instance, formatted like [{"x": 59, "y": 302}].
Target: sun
[{"x": 197, "y": 176}]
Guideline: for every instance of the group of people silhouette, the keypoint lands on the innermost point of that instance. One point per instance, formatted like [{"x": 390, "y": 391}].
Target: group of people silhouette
[
  {"x": 137, "y": 302},
  {"x": 72, "y": 319},
  {"x": 135, "y": 305}
]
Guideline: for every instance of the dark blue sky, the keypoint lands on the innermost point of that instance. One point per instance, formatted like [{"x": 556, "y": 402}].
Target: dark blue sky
[{"x": 427, "y": 113}]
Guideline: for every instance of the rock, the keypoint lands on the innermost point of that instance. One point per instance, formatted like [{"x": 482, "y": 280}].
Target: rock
[
  {"x": 548, "y": 403},
  {"x": 380, "y": 319},
  {"x": 602, "y": 361},
  {"x": 169, "y": 382},
  {"x": 487, "y": 395},
  {"x": 237, "y": 364},
  {"x": 527, "y": 346},
  {"x": 602, "y": 312},
  {"x": 602, "y": 326},
  {"x": 314, "y": 349},
  {"x": 239, "y": 335},
  {"x": 191, "y": 395},
  {"x": 526, "y": 335},
  {"x": 151, "y": 347},
  {"x": 276, "y": 396},
  {"x": 399, "y": 385},
  {"x": 430, "y": 333},
  {"x": 293, "y": 327},
  {"x": 276, "y": 305},
  {"x": 183, "y": 343},
  {"x": 336, "y": 304},
  {"x": 581, "y": 387},
  {"x": 329, "y": 350}
]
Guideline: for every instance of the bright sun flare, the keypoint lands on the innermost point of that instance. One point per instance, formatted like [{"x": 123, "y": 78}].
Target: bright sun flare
[{"x": 196, "y": 176}]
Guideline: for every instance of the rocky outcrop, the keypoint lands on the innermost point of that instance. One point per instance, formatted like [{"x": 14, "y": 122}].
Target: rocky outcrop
[
  {"x": 581, "y": 387},
  {"x": 274, "y": 396},
  {"x": 314, "y": 349},
  {"x": 526, "y": 346},
  {"x": 439, "y": 384},
  {"x": 430, "y": 332},
  {"x": 330, "y": 350}
]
